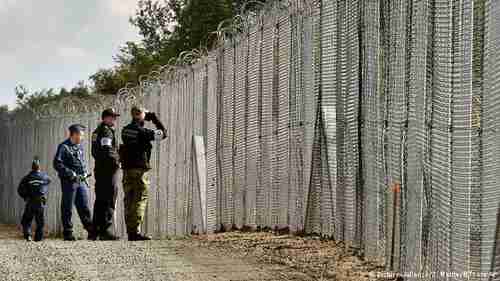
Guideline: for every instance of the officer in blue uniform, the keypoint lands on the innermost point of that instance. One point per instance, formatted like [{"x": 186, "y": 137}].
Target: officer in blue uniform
[
  {"x": 71, "y": 167},
  {"x": 33, "y": 189}
]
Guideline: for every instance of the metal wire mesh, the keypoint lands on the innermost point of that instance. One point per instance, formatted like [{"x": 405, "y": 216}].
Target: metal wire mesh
[
  {"x": 489, "y": 225},
  {"x": 372, "y": 122}
]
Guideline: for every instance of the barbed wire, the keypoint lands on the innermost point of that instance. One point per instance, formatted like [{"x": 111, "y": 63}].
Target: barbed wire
[{"x": 251, "y": 14}]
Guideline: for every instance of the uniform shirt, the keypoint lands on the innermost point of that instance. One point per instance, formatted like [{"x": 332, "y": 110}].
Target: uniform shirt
[
  {"x": 104, "y": 149},
  {"x": 136, "y": 149},
  {"x": 69, "y": 161},
  {"x": 35, "y": 184}
]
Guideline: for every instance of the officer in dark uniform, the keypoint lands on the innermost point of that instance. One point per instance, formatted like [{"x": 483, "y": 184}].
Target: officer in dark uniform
[
  {"x": 135, "y": 156},
  {"x": 33, "y": 189},
  {"x": 71, "y": 167},
  {"x": 105, "y": 153}
]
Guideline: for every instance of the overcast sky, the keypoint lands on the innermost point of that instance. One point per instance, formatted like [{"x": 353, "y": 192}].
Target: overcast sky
[{"x": 55, "y": 43}]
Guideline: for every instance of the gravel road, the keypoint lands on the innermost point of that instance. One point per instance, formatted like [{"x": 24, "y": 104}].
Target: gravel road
[
  {"x": 229, "y": 256},
  {"x": 85, "y": 260}
]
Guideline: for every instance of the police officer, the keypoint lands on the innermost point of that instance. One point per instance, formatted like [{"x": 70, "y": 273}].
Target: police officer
[
  {"x": 105, "y": 153},
  {"x": 71, "y": 167},
  {"x": 135, "y": 156},
  {"x": 33, "y": 189}
]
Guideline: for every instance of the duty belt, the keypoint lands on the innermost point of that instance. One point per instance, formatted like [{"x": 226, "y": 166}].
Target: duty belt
[{"x": 40, "y": 200}]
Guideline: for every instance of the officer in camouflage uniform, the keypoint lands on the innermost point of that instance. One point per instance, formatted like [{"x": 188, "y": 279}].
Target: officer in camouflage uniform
[
  {"x": 33, "y": 189},
  {"x": 105, "y": 153},
  {"x": 71, "y": 167},
  {"x": 135, "y": 156}
]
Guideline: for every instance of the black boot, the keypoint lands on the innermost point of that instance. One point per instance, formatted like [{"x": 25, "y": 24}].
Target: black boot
[
  {"x": 38, "y": 238},
  {"x": 138, "y": 237},
  {"x": 27, "y": 237},
  {"x": 92, "y": 231},
  {"x": 92, "y": 236},
  {"x": 68, "y": 236},
  {"x": 108, "y": 236}
]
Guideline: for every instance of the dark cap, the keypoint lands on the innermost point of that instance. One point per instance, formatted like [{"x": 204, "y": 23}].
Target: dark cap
[
  {"x": 76, "y": 128},
  {"x": 136, "y": 110},
  {"x": 36, "y": 161},
  {"x": 35, "y": 164},
  {"x": 109, "y": 112}
]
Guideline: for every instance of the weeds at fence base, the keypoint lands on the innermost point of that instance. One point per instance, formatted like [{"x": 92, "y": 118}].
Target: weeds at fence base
[{"x": 295, "y": 258}]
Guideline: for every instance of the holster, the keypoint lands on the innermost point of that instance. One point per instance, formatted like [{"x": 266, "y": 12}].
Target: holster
[{"x": 38, "y": 200}]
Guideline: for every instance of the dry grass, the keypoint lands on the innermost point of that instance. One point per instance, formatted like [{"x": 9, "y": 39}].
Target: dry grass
[{"x": 296, "y": 258}]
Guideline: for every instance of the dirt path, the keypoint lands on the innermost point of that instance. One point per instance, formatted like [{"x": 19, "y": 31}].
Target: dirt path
[{"x": 234, "y": 256}]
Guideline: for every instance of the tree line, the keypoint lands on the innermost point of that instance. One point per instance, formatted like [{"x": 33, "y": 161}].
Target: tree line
[{"x": 166, "y": 28}]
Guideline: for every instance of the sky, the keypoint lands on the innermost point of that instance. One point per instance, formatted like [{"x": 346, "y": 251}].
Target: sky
[{"x": 56, "y": 43}]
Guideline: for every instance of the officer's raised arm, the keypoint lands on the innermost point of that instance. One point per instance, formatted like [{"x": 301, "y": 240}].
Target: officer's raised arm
[
  {"x": 160, "y": 133},
  {"x": 149, "y": 135}
]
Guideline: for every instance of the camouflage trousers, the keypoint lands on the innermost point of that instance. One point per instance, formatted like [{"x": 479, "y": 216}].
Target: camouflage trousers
[{"x": 135, "y": 187}]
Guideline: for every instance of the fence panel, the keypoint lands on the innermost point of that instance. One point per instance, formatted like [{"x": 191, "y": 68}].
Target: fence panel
[{"x": 372, "y": 122}]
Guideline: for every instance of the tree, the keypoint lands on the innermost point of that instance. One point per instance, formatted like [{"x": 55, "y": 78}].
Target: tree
[
  {"x": 156, "y": 21},
  {"x": 199, "y": 18},
  {"x": 168, "y": 27},
  {"x": 4, "y": 112},
  {"x": 28, "y": 100},
  {"x": 238, "y": 5},
  {"x": 80, "y": 90},
  {"x": 4, "y": 109},
  {"x": 135, "y": 60},
  {"x": 107, "y": 82}
]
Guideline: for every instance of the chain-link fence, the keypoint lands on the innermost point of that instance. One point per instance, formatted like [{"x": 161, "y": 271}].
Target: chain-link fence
[{"x": 372, "y": 122}]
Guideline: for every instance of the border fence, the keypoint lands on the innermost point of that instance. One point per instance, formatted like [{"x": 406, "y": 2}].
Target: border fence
[{"x": 373, "y": 122}]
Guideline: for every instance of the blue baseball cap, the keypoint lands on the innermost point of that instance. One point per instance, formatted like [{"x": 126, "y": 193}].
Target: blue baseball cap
[{"x": 76, "y": 128}]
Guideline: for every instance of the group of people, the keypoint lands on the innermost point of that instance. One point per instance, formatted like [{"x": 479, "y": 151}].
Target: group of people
[{"x": 133, "y": 156}]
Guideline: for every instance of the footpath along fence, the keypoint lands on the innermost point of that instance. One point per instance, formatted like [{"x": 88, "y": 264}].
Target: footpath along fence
[{"x": 372, "y": 122}]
